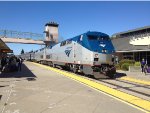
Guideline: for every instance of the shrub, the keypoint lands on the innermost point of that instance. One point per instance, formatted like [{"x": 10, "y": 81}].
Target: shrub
[
  {"x": 117, "y": 66},
  {"x": 125, "y": 66},
  {"x": 126, "y": 61},
  {"x": 131, "y": 62},
  {"x": 137, "y": 64}
]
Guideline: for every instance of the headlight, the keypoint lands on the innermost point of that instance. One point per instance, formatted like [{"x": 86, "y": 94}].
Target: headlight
[{"x": 104, "y": 50}]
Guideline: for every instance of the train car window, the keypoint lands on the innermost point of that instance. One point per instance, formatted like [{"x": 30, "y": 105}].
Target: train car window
[
  {"x": 91, "y": 37},
  {"x": 41, "y": 49},
  {"x": 69, "y": 42},
  {"x": 104, "y": 38},
  {"x": 65, "y": 42}
]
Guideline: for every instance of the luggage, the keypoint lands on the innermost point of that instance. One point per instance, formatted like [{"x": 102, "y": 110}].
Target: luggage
[
  {"x": 148, "y": 70},
  {"x": 6, "y": 68},
  {"x": 10, "y": 68}
]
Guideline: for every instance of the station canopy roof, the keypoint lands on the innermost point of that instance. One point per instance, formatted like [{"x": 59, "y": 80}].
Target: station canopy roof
[
  {"x": 4, "y": 48},
  {"x": 131, "y": 31},
  {"x": 123, "y": 44}
]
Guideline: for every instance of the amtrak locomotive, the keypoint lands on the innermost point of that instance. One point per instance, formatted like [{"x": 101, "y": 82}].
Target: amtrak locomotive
[{"x": 89, "y": 53}]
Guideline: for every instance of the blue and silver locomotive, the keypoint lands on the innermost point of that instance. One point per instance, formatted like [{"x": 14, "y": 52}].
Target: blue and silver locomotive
[{"x": 89, "y": 53}]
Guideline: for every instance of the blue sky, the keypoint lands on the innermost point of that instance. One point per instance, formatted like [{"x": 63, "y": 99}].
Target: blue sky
[{"x": 73, "y": 17}]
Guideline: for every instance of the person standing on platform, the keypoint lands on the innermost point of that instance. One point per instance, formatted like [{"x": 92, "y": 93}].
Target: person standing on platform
[
  {"x": 143, "y": 63},
  {"x": 3, "y": 62},
  {"x": 19, "y": 63}
]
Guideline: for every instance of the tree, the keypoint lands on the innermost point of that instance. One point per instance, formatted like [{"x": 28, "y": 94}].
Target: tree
[{"x": 22, "y": 51}]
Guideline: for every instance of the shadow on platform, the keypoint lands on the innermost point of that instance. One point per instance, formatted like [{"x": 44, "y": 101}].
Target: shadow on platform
[
  {"x": 119, "y": 75},
  {"x": 24, "y": 73}
]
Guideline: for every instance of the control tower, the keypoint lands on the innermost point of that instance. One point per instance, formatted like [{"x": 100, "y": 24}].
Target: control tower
[{"x": 51, "y": 33}]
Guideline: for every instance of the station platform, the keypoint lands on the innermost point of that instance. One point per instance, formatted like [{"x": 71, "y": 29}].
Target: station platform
[
  {"x": 36, "y": 89},
  {"x": 136, "y": 75}
]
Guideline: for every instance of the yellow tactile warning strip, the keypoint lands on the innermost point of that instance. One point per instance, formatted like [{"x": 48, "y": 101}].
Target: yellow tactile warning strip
[
  {"x": 136, "y": 102},
  {"x": 130, "y": 79}
]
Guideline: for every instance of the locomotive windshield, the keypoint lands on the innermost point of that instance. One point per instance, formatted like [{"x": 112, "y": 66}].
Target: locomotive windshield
[
  {"x": 100, "y": 43},
  {"x": 92, "y": 37}
]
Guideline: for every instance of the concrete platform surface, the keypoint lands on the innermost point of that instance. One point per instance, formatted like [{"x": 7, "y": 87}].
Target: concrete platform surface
[
  {"x": 38, "y": 90},
  {"x": 136, "y": 75}
]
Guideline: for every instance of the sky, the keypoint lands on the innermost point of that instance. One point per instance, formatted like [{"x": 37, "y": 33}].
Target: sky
[{"x": 74, "y": 18}]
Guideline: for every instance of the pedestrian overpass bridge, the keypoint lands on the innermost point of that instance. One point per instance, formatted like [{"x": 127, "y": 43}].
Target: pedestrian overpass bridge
[
  {"x": 51, "y": 36},
  {"x": 9, "y": 36}
]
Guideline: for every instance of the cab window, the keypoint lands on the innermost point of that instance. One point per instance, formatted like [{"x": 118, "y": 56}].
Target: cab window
[{"x": 65, "y": 42}]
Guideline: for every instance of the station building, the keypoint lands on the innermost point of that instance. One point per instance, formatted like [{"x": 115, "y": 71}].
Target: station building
[
  {"x": 4, "y": 49},
  {"x": 133, "y": 44}
]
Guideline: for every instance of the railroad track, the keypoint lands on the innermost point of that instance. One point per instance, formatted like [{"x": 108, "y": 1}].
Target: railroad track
[{"x": 136, "y": 89}]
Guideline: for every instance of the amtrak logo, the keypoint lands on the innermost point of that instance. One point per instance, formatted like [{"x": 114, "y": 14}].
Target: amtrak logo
[
  {"x": 68, "y": 50},
  {"x": 102, "y": 45}
]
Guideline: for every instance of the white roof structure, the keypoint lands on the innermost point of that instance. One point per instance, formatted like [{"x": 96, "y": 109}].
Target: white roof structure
[{"x": 140, "y": 41}]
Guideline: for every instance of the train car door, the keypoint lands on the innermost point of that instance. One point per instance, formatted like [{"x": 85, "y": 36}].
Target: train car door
[
  {"x": 74, "y": 52},
  {"x": 78, "y": 51}
]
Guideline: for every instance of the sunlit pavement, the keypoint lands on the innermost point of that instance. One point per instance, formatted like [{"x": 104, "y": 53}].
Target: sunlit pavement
[{"x": 38, "y": 90}]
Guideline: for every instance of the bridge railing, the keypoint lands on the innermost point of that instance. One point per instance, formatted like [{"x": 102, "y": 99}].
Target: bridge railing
[{"x": 17, "y": 34}]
